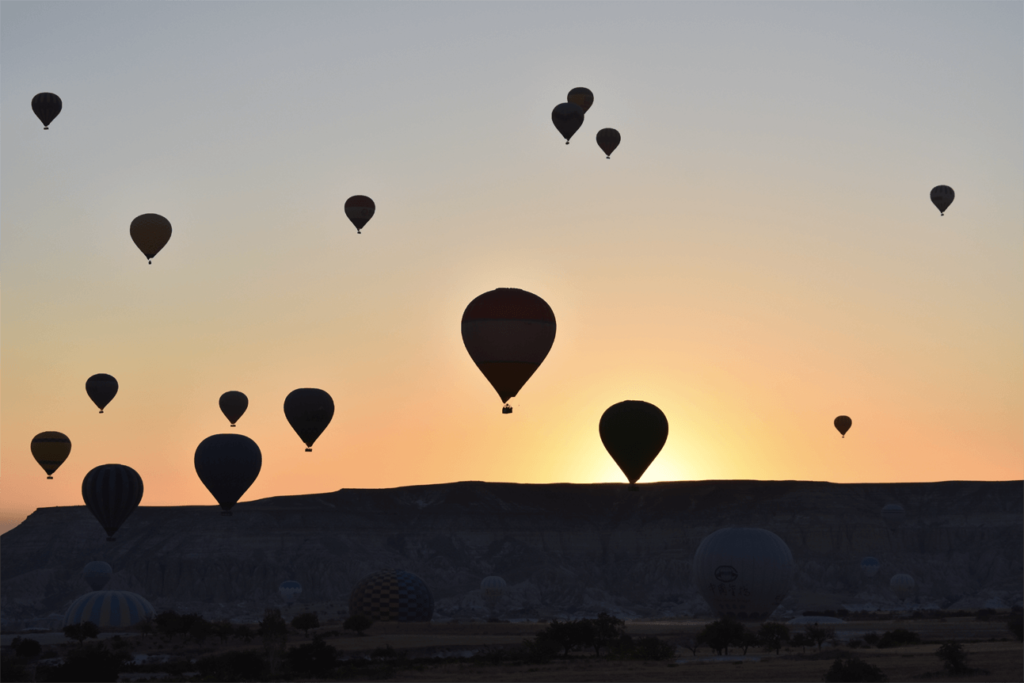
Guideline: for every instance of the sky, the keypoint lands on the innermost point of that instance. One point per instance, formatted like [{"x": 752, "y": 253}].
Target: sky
[{"x": 758, "y": 256}]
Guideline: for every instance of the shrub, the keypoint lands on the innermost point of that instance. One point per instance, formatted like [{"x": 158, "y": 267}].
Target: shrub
[
  {"x": 562, "y": 635},
  {"x": 273, "y": 626},
  {"x": 801, "y": 641},
  {"x": 773, "y": 635},
  {"x": 819, "y": 634},
  {"x": 86, "y": 664},
  {"x": 853, "y": 669},
  {"x": 12, "y": 670},
  {"x": 358, "y": 623},
  {"x": 316, "y": 658},
  {"x": 652, "y": 647},
  {"x": 953, "y": 657},
  {"x": 81, "y": 631},
  {"x": 871, "y": 638},
  {"x": 306, "y": 621},
  {"x": 898, "y": 638},
  {"x": 600, "y": 632},
  {"x": 719, "y": 635},
  {"x": 239, "y": 665},
  {"x": 26, "y": 647}
]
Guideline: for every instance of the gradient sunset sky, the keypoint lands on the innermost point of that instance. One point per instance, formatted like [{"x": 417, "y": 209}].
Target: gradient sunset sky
[{"x": 758, "y": 256}]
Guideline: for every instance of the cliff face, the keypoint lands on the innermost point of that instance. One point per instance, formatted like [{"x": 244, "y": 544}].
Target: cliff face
[{"x": 562, "y": 548}]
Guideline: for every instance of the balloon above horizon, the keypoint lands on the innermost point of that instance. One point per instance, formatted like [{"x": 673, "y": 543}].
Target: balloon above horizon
[
  {"x": 150, "y": 232},
  {"x": 633, "y": 432},
  {"x": 46, "y": 106},
  {"x": 608, "y": 139},
  {"x": 942, "y": 196},
  {"x": 567, "y": 118},
  {"x": 508, "y": 334},
  {"x": 233, "y": 404},
  {"x": 581, "y": 97},
  {"x": 309, "y": 411},
  {"x": 50, "y": 449},
  {"x": 102, "y": 389},
  {"x": 228, "y": 464},
  {"x": 112, "y": 492},
  {"x": 843, "y": 424},
  {"x": 360, "y": 210}
]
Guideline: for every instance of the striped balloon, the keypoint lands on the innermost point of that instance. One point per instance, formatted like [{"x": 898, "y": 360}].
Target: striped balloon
[
  {"x": 112, "y": 492},
  {"x": 392, "y": 596},
  {"x": 50, "y": 449},
  {"x": 109, "y": 609},
  {"x": 743, "y": 573}
]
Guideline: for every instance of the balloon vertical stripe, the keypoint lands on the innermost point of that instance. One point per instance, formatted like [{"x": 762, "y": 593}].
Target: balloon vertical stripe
[{"x": 112, "y": 492}]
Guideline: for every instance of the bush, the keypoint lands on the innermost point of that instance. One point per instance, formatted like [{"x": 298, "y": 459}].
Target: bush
[
  {"x": 539, "y": 649},
  {"x": 81, "y": 631},
  {"x": 12, "y": 670},
  {"x": 562, "y": 635},
  {"x": 86, "y": 664},
  {"x": 801, "y": 641},
  {"x": 719, "y": 635},
  {"x": 1016, "y": 623},
  {"x": 953, "y": 657},
  {"x": 871, "y": 638},
  {"x": 772, "y": 636},
  {"x": 985, "y": 614},
  {"x": 168, "y": 623},
  {"x": 853, "y": 669},
  {"x": 652, "y": 647},
  {"x": 358, "y": 623},
  {"x": 898, "y": 638},
  {"x": 600, "y": 632},
  {"x": 273, "y": 627},
  {"x": 239, "y": 665},
  {"x": 316, "y": 658},
  {"x": 306, "y": 621},
  {"x": 26, "y": 647}
]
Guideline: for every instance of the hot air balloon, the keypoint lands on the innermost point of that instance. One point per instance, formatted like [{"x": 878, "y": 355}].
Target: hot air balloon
[
  {"x": 112, "y": 492},
  {"x": 843, "y": 424},
  {"x": 233, "y": 405},
  {"x": 289, "y": 590},
  {"x": 97, "y": 574},
  {"x": 309, "y": 411},
  {"x": 608, "y": 139},
  {"x": 902, "y": 585},
  {"x": 508, "y": 333},
  {"x": 150, "y": 232},
  {"x": 46, "y": 106},
  {"x": 942, "y": 197},
  {"x": 228, "y": 464},
  {"x": 109, "y": 609},
  {"x": 869, "y": 566},
  {"x": 392, "y": 596},
  {"x": 101, "y": 389},
  {"x": 359, "y": 210},
  {"x": 567, "y": 118},
  {"x": 893, "y": 515},
  {"x": 581, "y": 97},
  {"x": 50, "y": 449},
  {"x": 743, "y": 573},
  {"x": 633, "y": 432}
]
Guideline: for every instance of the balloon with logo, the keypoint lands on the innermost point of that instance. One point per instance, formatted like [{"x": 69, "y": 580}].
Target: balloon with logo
[
  {"x": 233, "y": 404},
  {"x": 743, "y": 573},
  {"x": 50, "y": 449},
  {"x": 633, "y": 432},
  {"x": 101, "y": 389},
  {"x": 309, "y": 411}
]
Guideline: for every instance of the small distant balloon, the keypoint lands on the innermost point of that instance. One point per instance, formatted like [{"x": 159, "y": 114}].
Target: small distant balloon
[
  {"x": 942, "y": 197},
  {"x": 893, "y": 515},
  {"x": 309, "y": 411},
  {"x": 289, "y": 590},
  {"x": 233, "y": 405},
  {"x": 228, "y": 464},
  {"x": 567, "y": 118},
  {"x": 97, "y": 574},
  {"x": 869, "y": 566},
  {"x": 843, "y": 424},
  {"x": 46, "y": 106},
  {"x": 608, "y": 139},
  {"x": 359, "y": 210},
  {"x": 112, "y": 492},
  {"x": 101, "y": 389},
  {"x": 633, "y": 432},
  {"x": 902, "y": 585},
  {"x": 150, "y": 232},
  {"x": 581, "y": 97},
  {"x": 50, "y": 449}
]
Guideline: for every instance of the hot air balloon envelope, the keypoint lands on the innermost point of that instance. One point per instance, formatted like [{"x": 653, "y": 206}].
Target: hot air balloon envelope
[
  {"x": 359, "y": 210},
  {"x": 942, "y": 196},
  {"x": 633, "y": 432},
  {"x": 97, "y": 574},
  {"x": 309, "y": 411},
  {"x": 150, "y": 232},
  {"x": 289, "y": 590},
  {"x": 233, "y": 405},
  {"x": 112, "y": 492},
  {"x": 50, "y": 449},
  {"x": 581, "y": 97},
  {"x": 869, "y": 566},
  {"x": 46, "y": 106},
  {"x": 567, "y": 118},
  {"x": 508, "y": 333},
  {"x": 109, "y": 609},
  {"x": 843, "y": 424},
  {"x": 608, "y": 139},
  {"x": 101, "y": 389},
  {"x": 743, "y": 573},
  {"x": 228, "y": 464},
  {"x": 392, "y": 596}
]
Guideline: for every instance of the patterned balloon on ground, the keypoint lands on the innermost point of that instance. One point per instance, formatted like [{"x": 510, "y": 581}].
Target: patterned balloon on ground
[
  {"x": 109, "y": 609},
  {"x": 150, "y": 232},
  {"x": 392, "y": 596},
  {"x": 112, "y": 492},
  {"x": 289, "y": 590},
  {"x": 97, "y": 574},
  {"x": 50, "y": 449},
  {"x": 46, "y": 106},
  {"x": 508, "y": 334},
  {"x": 743, "y": 573},
  {"x": 102, "y": 389}
]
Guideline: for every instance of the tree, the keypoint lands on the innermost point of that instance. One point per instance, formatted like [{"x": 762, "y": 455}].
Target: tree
[
  {"x": 81, "y": 631},
  {"x": 26, "y": 647},
  {"x": 604, "y": 629},
  {"x": 953, "y": 656},
  {"x": 773, "y": 635},
  {"x": 819, "y": 634},
  {"x": 358, "y": 623},
  {"x": 652, "y": 647},
  {"x": 898, "y": 637},
  {"x": 719, "y": 635},
  {"x": 749, "y": 639},
  {"x": 316, "y": 658},
  {"x": 273, "y": 628},
  {"x": 305, "y": 621},
  {"x": 801, "y": 641},
  {"x": 853, "y": 669},
  {"x": 691, "y": 643},
  {"x": 565, "y": 634},
  {"x": 169, "y": 623},
  {"x": 223, "y": 629}
]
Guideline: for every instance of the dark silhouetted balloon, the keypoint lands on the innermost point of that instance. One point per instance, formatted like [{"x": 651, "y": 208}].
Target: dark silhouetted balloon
[
  {"x": 743, "y": 573},
  {"x": 97, "y": 574},
  {"x": 608, "y": 139},
  {"x": 101, "y": 389},
  {"x": 150, "y": 232},
  {"x": 843, "y": 424},
  {"x": 581, "y": 97},
  {"x": 46, "y": 106},
  {"x": 392, "y": 596},
  {"x": 50, "y": 449},
  {"x": 309, "y": 411},
  {"x": 634, "y": 433},
  {"x": 567, "y": 118},
  {"x": 289, "y": 590},
  {"x": 359, "y": 210},
  {"x": 233, "y": 405},
  {"x": 112, "y": 492},
  {"x": 942, "y": 197},
  {"x": 508, "y": 333},
  {"x": 228, "y": 464}
]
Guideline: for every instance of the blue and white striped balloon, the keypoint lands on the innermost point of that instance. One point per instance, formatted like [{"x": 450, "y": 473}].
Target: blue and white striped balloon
[{"x": 109, "y": 609}]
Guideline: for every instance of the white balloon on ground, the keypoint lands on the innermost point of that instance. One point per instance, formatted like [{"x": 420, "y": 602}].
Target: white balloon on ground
[
  {"x": 902, "y": 585},
  {"x": 743, "y": 573}
]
